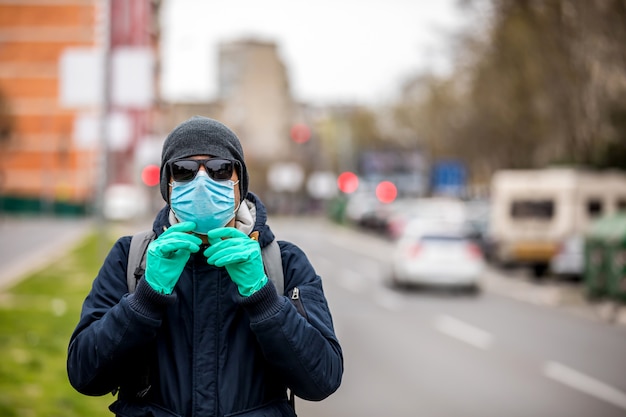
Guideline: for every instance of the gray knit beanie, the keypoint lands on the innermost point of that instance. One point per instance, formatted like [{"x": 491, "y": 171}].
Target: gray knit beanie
[{"x": 202, "y": 136}]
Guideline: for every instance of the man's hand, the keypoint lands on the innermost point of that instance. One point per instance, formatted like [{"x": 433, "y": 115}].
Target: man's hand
[
  {"x": 240, "y": 255},
  {"x": 168, "y": 254}
]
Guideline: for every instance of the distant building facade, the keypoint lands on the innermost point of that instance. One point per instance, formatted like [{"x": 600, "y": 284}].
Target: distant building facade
[
  {"x": 41, "y": 163},
  {"x": 255, "y": 97}
]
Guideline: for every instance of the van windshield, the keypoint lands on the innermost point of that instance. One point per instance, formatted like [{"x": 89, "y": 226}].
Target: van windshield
[{"x": 532, "y": 209}]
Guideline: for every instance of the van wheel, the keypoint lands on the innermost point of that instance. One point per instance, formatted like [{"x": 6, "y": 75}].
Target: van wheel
[
  {"x": 392, "y": 281},
  {"x": 539, "y": 271}
]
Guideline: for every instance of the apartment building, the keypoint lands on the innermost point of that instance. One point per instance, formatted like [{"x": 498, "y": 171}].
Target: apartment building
[
  {"x": 44, "y": 165},
  {"x": 255, "y": 97}
]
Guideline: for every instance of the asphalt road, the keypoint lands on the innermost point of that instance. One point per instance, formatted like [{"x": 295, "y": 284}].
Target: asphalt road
[{"x": 516, "y": 349}]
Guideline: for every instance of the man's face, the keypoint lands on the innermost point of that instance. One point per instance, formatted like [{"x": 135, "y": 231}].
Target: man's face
[{"x": 234, "y": 178}]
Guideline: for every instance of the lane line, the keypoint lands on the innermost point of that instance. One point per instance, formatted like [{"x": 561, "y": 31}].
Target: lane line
[
  {"x": 352, "y": 281},
  {"x": 464, "y": 332},
  {"x": 581, "y": 382},
  {"x": 378, "y": 251},
  {"x": 321, "y": 263},
  {"x": 388, "y": 300}
]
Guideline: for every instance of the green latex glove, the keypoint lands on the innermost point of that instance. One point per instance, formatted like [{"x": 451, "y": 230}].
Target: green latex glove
[
  {"x": 240, "y": 255},
  {"x": 167, "y": 255}
]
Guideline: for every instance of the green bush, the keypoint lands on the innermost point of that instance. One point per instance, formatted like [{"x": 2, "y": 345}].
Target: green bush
[{"x": 37, "y": 317}]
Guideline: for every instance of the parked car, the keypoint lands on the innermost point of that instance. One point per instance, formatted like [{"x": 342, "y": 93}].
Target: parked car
[
  {"x": 432, "y": 209},
  {"x": 360, "y": 205},
  {"x": 437, "y": 255},
  {"x": 569, "y": 260},
  {"x": 477, "y": 223}
]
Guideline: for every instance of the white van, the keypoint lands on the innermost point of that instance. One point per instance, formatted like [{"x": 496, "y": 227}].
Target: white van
[{"x": 535, "y": 212}]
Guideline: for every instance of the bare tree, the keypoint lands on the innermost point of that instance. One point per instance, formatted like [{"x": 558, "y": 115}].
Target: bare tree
[{"x": 548, "y": 83}]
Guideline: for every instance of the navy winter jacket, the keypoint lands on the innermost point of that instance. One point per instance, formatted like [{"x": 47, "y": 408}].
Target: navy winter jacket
[{"x": 205, "y": 350}]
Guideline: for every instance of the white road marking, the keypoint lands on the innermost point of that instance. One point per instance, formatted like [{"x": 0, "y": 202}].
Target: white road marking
[
  {"x": 578, "y": 380},
  {"x": 321, "y": 263},
  {"x": 376, "y": 271},
  {"x": 464, "y": 332},
  {"x": 388, "y": 300},
  {"x": 352, "y": 281},
  {"x": 367, "y": 246}
]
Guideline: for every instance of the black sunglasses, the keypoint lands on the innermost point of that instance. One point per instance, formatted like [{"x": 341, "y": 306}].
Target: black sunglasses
[{"x": 184, "y": 170}]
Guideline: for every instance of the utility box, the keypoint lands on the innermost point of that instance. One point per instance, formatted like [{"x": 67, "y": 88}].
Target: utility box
[
  {"x": 605, "y": 258},
  {"x": 617, "y": 259}
]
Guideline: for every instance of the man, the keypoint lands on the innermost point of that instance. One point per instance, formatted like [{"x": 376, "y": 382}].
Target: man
[{"x": 205, "y": 333}]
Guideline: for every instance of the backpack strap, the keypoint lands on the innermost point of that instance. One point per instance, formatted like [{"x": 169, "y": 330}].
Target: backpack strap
[
  {"x": 137, "y": 257},
  {"x": 273, "y": 264}
]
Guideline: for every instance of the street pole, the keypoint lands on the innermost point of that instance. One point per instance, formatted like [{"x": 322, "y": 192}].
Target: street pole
[
  {"x": 346, "y": 148},
  {"x": 103, "y": 151}
]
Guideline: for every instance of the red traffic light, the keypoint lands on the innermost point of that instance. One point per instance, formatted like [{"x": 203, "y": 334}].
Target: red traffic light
[
  {"x": 386, "y": 192},
  {"x": 151, "y": 175},
  {"x": 348, "y": 182},
  {"x": 300, "y": 133}
]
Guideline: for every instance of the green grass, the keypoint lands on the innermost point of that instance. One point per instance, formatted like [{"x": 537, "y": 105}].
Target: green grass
[{"x": 37, "y": 317}]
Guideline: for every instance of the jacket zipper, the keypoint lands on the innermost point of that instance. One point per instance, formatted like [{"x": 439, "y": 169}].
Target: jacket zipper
[{"x": 297, "y": 302}]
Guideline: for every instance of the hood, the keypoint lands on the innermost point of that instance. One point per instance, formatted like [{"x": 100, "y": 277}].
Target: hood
[{"x": 256, "y": 209}]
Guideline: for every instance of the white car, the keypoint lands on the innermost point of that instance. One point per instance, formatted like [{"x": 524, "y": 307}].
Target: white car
[
  {"x": 431, "y": 209},
  {"x": 570, "y": 259},
  {"x": 437, "y": 256}
]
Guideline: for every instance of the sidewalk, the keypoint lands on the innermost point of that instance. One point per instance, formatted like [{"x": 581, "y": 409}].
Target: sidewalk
[{"x": 552, "y": 292}]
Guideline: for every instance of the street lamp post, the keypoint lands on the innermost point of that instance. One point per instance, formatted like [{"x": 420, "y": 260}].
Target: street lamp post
[{"x": 103, "y": 154}]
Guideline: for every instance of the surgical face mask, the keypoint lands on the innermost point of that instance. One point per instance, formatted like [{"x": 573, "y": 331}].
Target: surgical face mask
[{"x": 208, "y": 203}]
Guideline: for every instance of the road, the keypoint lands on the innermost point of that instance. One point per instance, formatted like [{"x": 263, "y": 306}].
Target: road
[{"x": 510, "y": 351}]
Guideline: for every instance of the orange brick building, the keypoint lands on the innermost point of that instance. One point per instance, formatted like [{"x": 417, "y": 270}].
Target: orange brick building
[{"x": 41, "y": 166}]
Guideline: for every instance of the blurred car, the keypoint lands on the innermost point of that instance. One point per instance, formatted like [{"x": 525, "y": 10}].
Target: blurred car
[
  {"x": 477, "y": 223},
  {"x": 124, "y": 202},
  {"x": 431, "y": 209},
  {"x": 359, "y": 206},
  {"x": 366, "y": 211},
  {"x": 569, "y": 260},
  {"x": 437, "y": 255}
]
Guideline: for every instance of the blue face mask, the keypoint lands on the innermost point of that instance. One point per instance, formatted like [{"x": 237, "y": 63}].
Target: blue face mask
[{"x": 208, "y": 203}]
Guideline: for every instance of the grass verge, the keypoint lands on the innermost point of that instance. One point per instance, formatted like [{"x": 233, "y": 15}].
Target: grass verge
[{"x": 37, "y": 317}]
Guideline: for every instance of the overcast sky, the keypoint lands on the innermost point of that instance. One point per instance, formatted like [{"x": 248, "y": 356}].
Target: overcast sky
[{"x": 336, "y": 51}]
